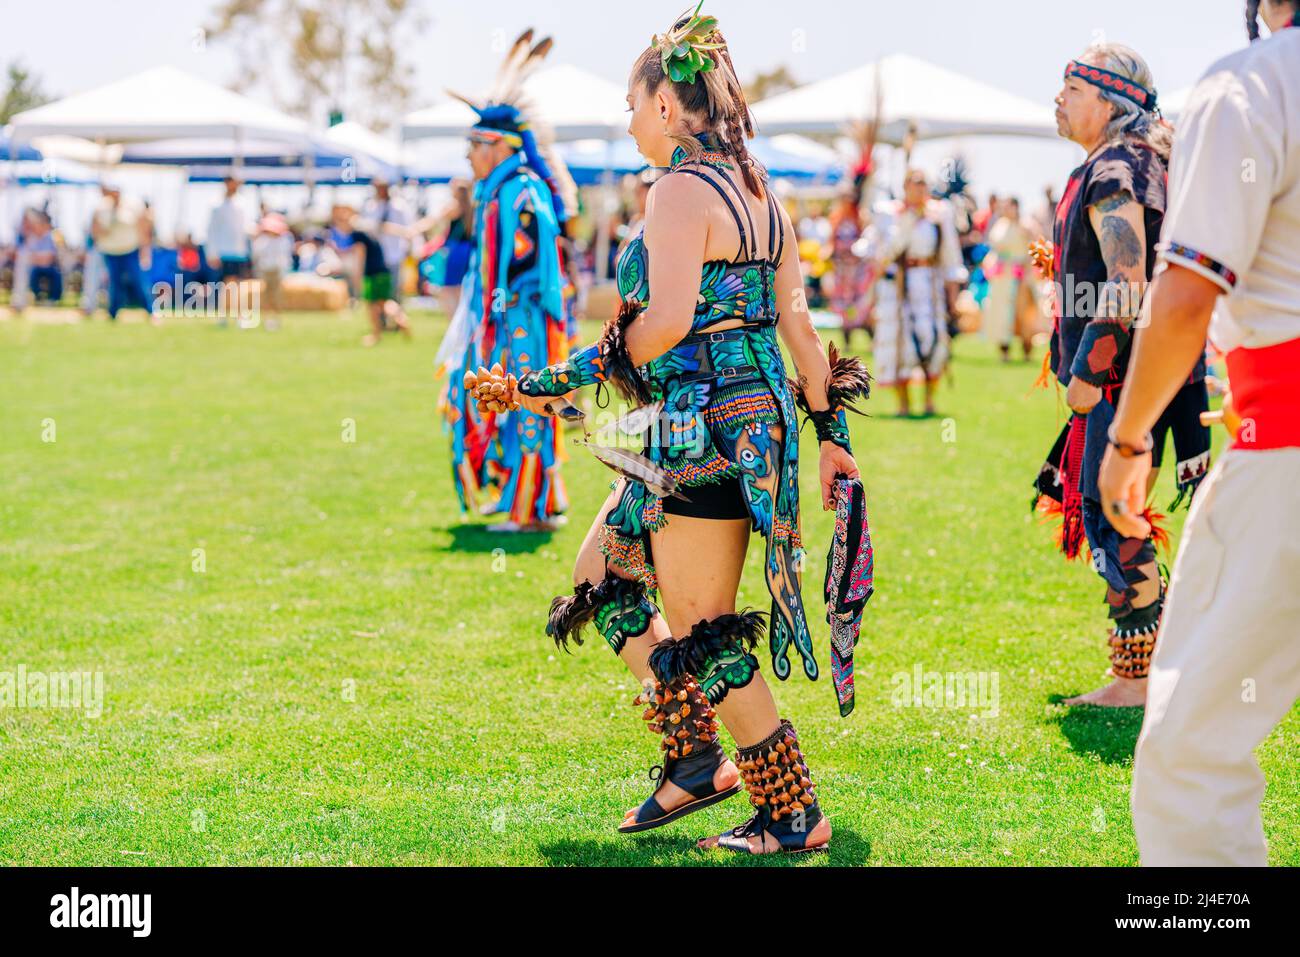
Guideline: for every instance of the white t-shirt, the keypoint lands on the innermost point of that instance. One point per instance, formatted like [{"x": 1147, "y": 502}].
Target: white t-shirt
[
  {"x": 227, "y": 235},
  {"x": 1234, "y": 192},
  {"x": 379, "y": 212},
  {"x": 119, "y": 225},
  {"x": 273, "y": 252}
]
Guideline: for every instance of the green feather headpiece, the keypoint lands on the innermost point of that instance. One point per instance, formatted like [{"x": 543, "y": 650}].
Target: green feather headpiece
[{"x": 683, "y": 51}]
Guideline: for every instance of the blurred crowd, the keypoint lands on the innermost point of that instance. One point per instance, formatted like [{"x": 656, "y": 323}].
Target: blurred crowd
[
  {"x": 383, "y": 251},
  {"x": 380, "y": 251}
]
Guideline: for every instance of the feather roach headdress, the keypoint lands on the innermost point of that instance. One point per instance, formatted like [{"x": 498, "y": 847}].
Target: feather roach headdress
[{"x": 506, "y": 114}]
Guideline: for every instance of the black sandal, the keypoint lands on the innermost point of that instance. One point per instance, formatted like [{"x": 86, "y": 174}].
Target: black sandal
[
  {"x": 785, "y": 807},
  {"x": 681, "y": 713}
]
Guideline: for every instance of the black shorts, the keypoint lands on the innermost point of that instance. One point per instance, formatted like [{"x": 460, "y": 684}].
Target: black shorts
[
  {"x": 235, "y": 268},
  {"x": 719, "y": 500}
]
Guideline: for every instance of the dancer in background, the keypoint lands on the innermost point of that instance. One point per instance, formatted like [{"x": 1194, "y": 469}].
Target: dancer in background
[
  {"x": 1103, "y": 253},
  {"x": 516, "y": 308},
  {"x": 446, "y": 260},
  {"x": 917, "y": 254},
  {"x": 363, "y": 237},
  {"x": 1005, "y": 266},
  {"x": 389, "y": 221},
  {"x": 850, "y": 281}
]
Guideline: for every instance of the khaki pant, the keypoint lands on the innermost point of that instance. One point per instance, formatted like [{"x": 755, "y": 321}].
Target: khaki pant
[{"x": 1226, "y": 668}]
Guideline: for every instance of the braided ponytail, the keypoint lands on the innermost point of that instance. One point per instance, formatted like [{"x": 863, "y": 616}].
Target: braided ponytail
[
  {"x": 1252, "y": 20},
  {"x": 739, "y": 125}
]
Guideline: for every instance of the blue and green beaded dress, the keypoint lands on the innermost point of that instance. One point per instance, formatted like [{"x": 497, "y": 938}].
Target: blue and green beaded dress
[{"x": 728, "y": 411}]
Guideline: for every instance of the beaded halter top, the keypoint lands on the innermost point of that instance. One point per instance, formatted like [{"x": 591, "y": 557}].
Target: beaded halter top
[{"x": 743, "y": 287}]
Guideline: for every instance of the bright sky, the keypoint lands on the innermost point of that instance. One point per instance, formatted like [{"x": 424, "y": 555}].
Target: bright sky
[{"x": 1019, "y": 45}]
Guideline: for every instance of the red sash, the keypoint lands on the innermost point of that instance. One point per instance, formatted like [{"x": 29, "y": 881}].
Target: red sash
[{"x": 1266, "y": 394}]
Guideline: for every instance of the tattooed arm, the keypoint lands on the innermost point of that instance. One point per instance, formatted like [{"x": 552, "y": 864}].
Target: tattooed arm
[{"x": 1120, "y": 227}]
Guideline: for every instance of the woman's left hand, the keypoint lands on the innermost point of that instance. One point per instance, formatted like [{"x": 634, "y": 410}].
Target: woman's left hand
[{"x": 835, "y": 462}]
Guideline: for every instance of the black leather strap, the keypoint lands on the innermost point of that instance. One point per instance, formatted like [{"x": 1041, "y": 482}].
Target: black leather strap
[
  {"x": 725, "y": 335},
  {"x": 740, "y": 198},
  {"x": 775, "y": 223},
  {"x": 733, "y": 375},
  {"x": 740, "y": 226}
]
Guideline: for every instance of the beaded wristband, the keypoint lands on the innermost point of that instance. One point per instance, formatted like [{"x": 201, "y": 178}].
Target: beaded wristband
[{"x": 1129, "y": 451}]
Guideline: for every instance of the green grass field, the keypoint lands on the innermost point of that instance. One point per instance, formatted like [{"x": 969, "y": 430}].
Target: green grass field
[{"x": 356, "y": 677}]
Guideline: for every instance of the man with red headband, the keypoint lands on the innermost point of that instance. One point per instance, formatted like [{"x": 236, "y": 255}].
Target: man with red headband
[
  {"x": 1104, "y": 238},
  {"x": 1227, "y": 668}
]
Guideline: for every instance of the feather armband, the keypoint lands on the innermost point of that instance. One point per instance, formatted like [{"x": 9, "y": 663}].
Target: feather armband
[
  {"x": 619, "y": 367},
  {"x": 849, "y": 382}
]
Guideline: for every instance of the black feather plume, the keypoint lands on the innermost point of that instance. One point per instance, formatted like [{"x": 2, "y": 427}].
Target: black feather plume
[
  {"x": 848, "y": 382},
  {"x": 709, "y": 640},
  {"x": 569, "y": 614},
  {"x": 619, "y": 367}
]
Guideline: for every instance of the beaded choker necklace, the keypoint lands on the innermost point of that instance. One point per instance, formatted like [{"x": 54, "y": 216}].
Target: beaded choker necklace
[{"x": 713, "y": 155}]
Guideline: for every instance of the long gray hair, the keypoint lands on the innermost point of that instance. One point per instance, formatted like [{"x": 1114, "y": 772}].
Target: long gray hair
[{"x": 1127, "y": 118}]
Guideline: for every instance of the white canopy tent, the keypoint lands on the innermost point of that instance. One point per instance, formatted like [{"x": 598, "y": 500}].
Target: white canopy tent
[
  {"x": 575, "y": 103},
  {"x": 797, "y": 145},
  {"x": 438, "y": 159},
  {"x": 939, "y": 102},
  {"x": 435, "y": 159},
  {"x": 160, "y": 103},
  {"x": 208, "y": 150},
  {"x": 352, "y": 137},
  {"x": 1172, "y": 104},
  {"x": 76, "y": 149}
]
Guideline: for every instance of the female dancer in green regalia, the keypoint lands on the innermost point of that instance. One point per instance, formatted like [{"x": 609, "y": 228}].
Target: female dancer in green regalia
[{"x": 709, "y": 284}]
